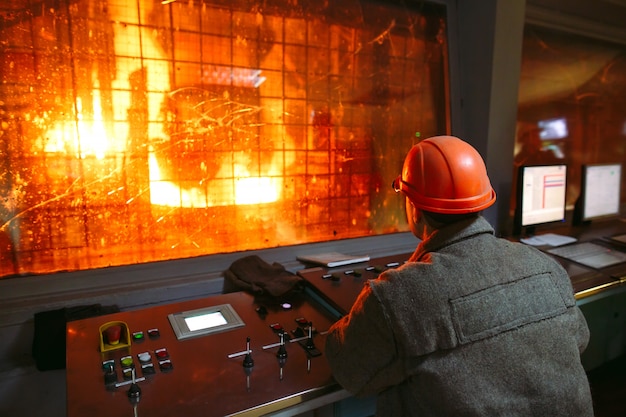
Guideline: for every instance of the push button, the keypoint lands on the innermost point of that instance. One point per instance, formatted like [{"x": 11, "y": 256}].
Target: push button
[
  {"x": 277, "y": 327},
  {"x": 162, "y": 353},
  {"x": 166, "y": 366},
  {"x": 302, "y": 321},
  {"x": 126, "y": 361}
]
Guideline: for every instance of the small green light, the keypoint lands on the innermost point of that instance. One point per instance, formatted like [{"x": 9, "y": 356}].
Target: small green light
[{"x": 418, "y": 134}]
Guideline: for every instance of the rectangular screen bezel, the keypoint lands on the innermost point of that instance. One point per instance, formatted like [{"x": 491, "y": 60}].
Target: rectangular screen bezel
[
  {"x": 584, "y": 195},
  {"x": 546, "y": 221},
  {"x": 521, "y": 228},
  {"x": 182, "y": 331}
]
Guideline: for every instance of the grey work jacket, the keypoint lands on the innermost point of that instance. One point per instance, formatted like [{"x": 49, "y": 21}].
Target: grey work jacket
[{"x": 472, "y": 325}]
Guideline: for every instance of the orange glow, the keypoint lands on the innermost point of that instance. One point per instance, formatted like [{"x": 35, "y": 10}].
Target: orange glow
[
  {"x": 256, "y": 190},
  {"x": 80, "y": 138},
  {"x": 135, "y": 132},
  {"x": 247, "y": 190},
  {"x": 83, "y": 137}
]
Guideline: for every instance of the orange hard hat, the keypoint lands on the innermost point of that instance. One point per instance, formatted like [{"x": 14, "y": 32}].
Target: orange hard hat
[{"x": 444, "y": 174}]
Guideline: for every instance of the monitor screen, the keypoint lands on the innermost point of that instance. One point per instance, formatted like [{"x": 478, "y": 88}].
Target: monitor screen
[
  {"x": 600, "y": 191},
  {"x": 553, "y": 128},
  {"x": 541, "y": 195}
]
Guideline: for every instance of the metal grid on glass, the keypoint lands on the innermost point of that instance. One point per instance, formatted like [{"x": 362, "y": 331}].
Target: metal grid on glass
[{"x": 139, "y": 131}]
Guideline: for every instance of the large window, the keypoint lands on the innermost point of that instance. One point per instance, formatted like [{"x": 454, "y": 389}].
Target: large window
[
  {"x": 137, "y": 131},
  {"x": 572, "y": 101}
]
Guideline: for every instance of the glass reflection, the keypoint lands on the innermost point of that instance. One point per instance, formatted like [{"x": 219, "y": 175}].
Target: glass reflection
[{"x": 572, "y": 97}]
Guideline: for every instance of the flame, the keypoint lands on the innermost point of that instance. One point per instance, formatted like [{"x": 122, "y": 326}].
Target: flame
[
  {"x": 87, "y": 134},
  {"x": 80, "y": 138},
  {"x": 247, "y": 190},
  {"x": 256, "y": 190}
]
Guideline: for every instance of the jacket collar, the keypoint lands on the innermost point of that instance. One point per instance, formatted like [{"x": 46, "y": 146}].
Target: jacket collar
[{"x": 451, "y": 234}]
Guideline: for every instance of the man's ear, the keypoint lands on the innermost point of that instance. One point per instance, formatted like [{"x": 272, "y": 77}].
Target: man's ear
[{"x": 414, "y": 213}]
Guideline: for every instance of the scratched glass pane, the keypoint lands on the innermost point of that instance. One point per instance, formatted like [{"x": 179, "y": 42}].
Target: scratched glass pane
[
  {"x": 138, "y": 131},
  {"x": 572, "y": 97}
]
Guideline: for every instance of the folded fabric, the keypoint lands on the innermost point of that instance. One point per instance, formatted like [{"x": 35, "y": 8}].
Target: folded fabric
[{"x": 254, "y": 275}]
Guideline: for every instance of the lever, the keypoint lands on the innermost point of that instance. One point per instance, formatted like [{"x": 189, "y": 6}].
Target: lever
[
  {"x": 134, "y": 392},
  {"x": 309, "y": 342},
  {"x": 282, "y": 350},
  {"x": 248, "y": 362}
]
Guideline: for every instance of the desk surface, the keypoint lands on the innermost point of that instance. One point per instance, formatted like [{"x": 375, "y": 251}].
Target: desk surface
[
  {"x": 588, "y": 281},
  {"x": 207, "y": 376},
  {"x": 203, "y": 380}
]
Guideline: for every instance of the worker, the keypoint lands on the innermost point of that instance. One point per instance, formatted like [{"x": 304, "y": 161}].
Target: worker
[{"x": 472, "y": 324}]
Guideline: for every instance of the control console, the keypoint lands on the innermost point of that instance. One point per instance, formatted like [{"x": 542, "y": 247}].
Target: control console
[
  {"x": 270, "y": 360},
  {"x": 338, "y": 288}
]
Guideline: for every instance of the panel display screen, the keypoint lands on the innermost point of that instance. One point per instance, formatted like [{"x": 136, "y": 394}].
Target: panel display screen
[
  {"x": 541, "y": 196},
  {"x": 553, "y": 128},
  {"x": 600, "y": 191},
  {"x": 204, "y": 321}
]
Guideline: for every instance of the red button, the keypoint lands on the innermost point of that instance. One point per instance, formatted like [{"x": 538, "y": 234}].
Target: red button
[{"x": 162, "y": 353}]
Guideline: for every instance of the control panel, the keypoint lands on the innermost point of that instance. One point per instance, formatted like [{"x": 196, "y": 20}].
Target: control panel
[
  {"x": 228, "y": 355},
  {"x": 121, "y": 368},
  {"x": 338, "y": 288},
  {"x": 273, "y": 359}
]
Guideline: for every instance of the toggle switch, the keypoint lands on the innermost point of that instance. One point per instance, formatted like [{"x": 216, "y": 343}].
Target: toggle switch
[
  {"x": 110, "y": 376},
  {"x": 309, "y": 340},
  {"x": 248, "y": 362},
  {"x": 108, "y": 364},
  {"x": 308, "y": 343},
  {"x": 282, "y": 350},
  {"x": 298, "y": 332},
  {"x": 134, "y": 391}
]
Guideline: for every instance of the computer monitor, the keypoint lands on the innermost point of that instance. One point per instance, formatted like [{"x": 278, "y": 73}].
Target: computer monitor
[
  {"x": 550, "y": 129},
  {"x": 540, "y": 197},
  {"x": 599, "y": 192}
]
